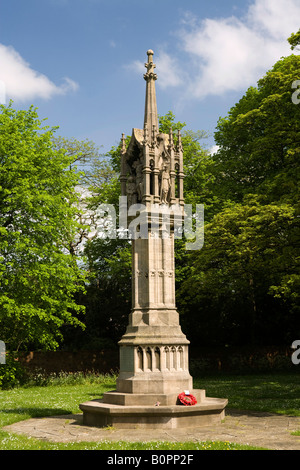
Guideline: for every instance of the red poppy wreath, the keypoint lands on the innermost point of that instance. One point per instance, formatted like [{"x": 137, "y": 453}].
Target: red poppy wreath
[{"x": 187, "y": 400}]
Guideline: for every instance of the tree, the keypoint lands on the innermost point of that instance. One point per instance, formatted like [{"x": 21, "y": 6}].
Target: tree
[
  {"x": 247, "y": 255},
  {"x": 246, "y": 278},
  {"x": 38, "y": 276},
  {"x": 259, "y": 140},
  {"x": 196, "y": 162},
  {"x": 294, "y": 40},
  {"x": 95, "y": 178},
  {"x": 81, "y": 153}
]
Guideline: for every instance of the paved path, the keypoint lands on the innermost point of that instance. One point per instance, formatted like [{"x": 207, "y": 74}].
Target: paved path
[{"x": 257, "y": 429}]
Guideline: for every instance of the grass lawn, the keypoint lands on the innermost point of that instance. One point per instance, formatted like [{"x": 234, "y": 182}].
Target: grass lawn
[
  {"x": 273, "y": 393},
  {"x": 276, "y": 393}
]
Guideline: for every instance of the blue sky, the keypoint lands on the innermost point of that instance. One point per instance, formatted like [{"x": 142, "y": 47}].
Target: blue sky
[{"x": 81, "y": 62}]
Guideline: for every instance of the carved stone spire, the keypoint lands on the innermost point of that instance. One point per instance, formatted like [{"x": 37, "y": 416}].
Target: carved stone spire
[
  {"x": 153, "y": 349},
  {"x": 151, "y": 117}
]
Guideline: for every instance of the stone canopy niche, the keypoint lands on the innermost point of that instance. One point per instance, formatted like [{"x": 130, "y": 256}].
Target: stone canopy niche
[{"x": 154, "y": 364}]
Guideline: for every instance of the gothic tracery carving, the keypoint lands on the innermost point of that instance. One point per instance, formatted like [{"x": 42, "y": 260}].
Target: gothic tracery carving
[{"x": 153, "y": 358}]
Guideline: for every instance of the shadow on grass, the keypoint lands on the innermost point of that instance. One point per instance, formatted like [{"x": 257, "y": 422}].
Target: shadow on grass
[
  {"x": 37, "y": 412},
  {"x": 259, "y": 414}
]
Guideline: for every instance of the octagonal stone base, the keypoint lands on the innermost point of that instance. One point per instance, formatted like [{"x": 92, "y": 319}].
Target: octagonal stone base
[{"x": 143, "y": 411}]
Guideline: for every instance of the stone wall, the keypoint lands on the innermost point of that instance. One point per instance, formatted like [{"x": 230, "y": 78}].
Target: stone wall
[
  {"x": 201, "y": 360},
  {"x": 241, "y": 360},
  {"x": 64, "y": 361}
]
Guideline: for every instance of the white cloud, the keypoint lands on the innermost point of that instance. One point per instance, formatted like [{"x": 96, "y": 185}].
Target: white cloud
[
  {"x": 2, "y": 93},
  {"x": 22, "y": 83},
  {"x": 169, "y": 71},
  {"x": 136, "y": 66},
  {"x": 278, "y": 18},
  {"x": 230, "y": 54},
  {"x": 214, "y": 149}
]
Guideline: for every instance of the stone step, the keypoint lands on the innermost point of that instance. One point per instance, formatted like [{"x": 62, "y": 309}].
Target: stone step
[{"x": 136, "y": 399}]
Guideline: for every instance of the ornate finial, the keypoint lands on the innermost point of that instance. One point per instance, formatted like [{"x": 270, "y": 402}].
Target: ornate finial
[
  {"x": 150, "y": 66},
  {"x": 123, "y": 144},
  {"x": 151, "y": 117},
  {"x": 171, "y": 140},
  {"x": 179, "y": 141}
]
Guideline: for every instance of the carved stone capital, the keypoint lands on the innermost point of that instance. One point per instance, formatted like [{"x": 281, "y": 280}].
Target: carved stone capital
[{"x": 150, "y": 76}]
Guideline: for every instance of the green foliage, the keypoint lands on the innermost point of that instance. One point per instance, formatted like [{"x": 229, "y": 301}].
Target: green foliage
[
  {"x": 246, "y": 278},
  {"x": 294, "y": 40},
  {"x": 167, "y": 122},
  {"x": 196, "y": 162},
  {"x": 12, "y": 373},
  {"x": 61, "y": 379},
  {"x": 259, "y": 145},
  {"x": 110, "y": 291},
  {"x": 38, "y": 277},
  {"x": 80, "y": 153},
  {"x": 248, "y": 252}
]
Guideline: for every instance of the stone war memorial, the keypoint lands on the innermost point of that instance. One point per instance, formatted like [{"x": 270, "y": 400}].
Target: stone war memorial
[{"x": 154, "y": 387}]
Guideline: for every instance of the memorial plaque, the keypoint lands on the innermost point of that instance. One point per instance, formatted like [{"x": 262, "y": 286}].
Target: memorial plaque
[{"x": 127, "y": 359}]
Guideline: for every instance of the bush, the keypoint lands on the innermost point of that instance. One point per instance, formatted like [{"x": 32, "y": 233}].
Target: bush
[
  {"x": 12, "y": 373},
  {"x": 40, "y": 378},
  {"x": 241, "y": 362}
]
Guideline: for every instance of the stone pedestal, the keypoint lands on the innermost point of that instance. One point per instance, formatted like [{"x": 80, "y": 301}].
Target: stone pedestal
[
  {"x": 154, "y": 365},
  {"x": 153, "y": 351},
  {"x": 142, "y": 416}
]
